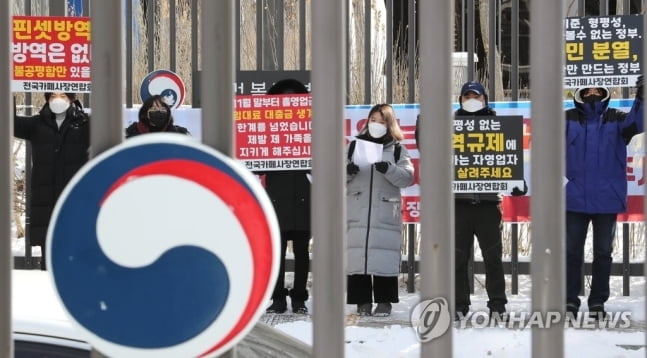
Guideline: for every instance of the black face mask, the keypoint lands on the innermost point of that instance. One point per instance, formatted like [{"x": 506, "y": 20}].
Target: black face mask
[
  {"x": 157, "y": 120},
  {"x": 592, "y": 98}
]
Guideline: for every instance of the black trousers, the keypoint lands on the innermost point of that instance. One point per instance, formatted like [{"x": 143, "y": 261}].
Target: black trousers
[
  {"x": 371, "y": 288},
  {"x": 484, "y": 221},
  {"x": 300, "y": 243}
]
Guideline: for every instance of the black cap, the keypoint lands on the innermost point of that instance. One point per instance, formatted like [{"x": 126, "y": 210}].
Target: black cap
[{"x": 472, "y": 86}]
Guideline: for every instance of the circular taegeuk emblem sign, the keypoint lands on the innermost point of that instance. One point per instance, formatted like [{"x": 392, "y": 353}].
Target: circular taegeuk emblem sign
[{"x": 161, "y": 246}]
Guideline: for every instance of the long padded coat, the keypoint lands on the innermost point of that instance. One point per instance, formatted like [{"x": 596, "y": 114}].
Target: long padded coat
[
  {"x": 57, "y": 154},
  {"x": 374, "y": 227}
]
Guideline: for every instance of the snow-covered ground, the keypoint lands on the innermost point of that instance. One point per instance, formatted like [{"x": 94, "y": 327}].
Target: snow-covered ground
[
  {"x": 389, "y": 337},
  {"x": 393, "y": 336}
]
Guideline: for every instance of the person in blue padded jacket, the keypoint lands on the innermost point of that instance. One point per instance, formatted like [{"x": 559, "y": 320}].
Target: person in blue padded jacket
[{"x": 596, "y": 190}]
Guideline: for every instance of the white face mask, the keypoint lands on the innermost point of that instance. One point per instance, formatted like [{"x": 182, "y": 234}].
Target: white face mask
[
  {"x": 376, "y": 130},
  {"x": 59, "y": 105},
  {"x": 472, "y": 105}
]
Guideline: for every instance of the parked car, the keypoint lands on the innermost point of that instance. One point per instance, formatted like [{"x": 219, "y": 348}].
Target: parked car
[{"x": 41, "y": 327}]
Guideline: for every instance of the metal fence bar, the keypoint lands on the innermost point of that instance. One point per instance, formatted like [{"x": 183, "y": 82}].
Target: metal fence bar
[
  {"x": 329, "y": 176},
  {"x": 436, "y": 175},
  {"x": 6, "y": 181},
  {"x": 389, "y": 51},
  {"x": 172, "y": 35},
  {"x": 107, "y": 82},
  {"x": 368, "y": 58},
  {"x": 411, "y": 257},
  {"x": 129, "y": 52},
  {"x": 642, "y": 9},
  {"x": 471, "y": 38},
  {"x": 303, "y": 44},
  {"x": 492, "y": 49},
  {"x": 106, "y": 71},
  {"x": 411, "y": 50},
  {"x": 547, "y": 204},
  {"x": 626, "y": 280},
  {"x": 195, "y": 80},
  {"x": 218, "y": 74},
  {"x": 514, "y": 259},
  {"x": 151, "y": 14},
  {"x": 218, "y": 62},
  {"x": 514, "y": 49}
]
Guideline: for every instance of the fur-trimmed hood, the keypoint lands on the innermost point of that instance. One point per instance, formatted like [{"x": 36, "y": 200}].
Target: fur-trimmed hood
[{"x": 577, "y": 96}]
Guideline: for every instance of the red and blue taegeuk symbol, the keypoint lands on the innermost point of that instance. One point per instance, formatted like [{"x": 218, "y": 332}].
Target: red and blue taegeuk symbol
[
  {"x": 166, "y": 84},
  {"x": 163, "y": 245}
]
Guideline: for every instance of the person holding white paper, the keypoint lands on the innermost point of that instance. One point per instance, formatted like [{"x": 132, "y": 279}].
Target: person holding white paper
[{"x": 374, "y": 217}]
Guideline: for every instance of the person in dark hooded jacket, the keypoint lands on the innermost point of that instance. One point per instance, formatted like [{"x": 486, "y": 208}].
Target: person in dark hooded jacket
[
  {"x": 289, "y": 191},
  {"x": 478, "y": 214},
  {"x": 596, "y": 191},
  {"x": 60, "y": 138},
  {"x": 154, "y": 116}
]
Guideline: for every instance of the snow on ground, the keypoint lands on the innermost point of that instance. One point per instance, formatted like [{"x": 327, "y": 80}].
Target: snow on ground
[
  {"x": 393, "y": 336},
  {"x": 395, "y": 339}
]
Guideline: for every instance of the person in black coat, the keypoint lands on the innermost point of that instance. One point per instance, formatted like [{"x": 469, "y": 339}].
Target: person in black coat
[
  {"x": 154, "y": 116},
  {"x": 60, "y": 138},
  {"x": 289, "y": 192},
  {"x": 480, "y": 215}
]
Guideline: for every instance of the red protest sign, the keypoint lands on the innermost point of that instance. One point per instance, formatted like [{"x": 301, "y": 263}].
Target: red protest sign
[{"x": 50, "y": 53}]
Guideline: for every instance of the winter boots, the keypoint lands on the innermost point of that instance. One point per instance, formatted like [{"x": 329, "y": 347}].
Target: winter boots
[{"x": 382, "y": 310}]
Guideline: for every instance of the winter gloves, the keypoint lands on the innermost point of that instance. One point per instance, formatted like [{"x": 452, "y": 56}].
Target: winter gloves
[
  {"x": 639, "y": 87},
  {"x": 352, "y": 168},
  {"x": 518, "y": 192},
  {"x": 382, "y": 167}
]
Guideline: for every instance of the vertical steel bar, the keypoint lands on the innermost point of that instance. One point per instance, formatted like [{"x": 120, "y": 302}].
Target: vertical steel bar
[
  {"x": 303, "y": 44},
  {"x": 368, "y": 58},
  {"x": 195, "y": 36},
  {"x": 172, "y": 37},
  {"x": 151, "y": 13},
  {"x": 260, "y": 20},
  {"x": 411, "y": 51},
  {"x": 581, "y": 8},
  {"x": 129, "y": 53},
  {"x": 389, "y": 50},
  {"x": 492, "y": 52},
  {"x": 411, "y": 257},
  {"x": 470, "y": 40},
  {"x": 626, "y": 10},
  {"x": 6, "y": 181},
  {"x": 29, "y": 262},
  {"x": 604, "y": 7},
  {"x": 279, "y": 45},
  {"x": 218, "y": 74},
  {"x": 347, "y": 4},
  {"x": 514, "y": 262},
  {"x": 642, "y": 9},
  {"x": 107, "y": 81},
  {"x": 547, "y": 205},
  {"x": 238, "y": 25},
  {"x": 436, "y": 169},
  {"x": 217, "y": 45},
  {"x": 626, "y": 271},
  {"x": 514, "y": 49},
  {"x": 329, "y": 207}
]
